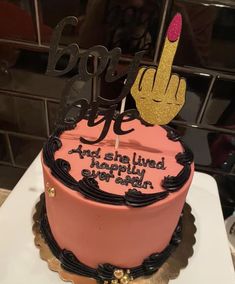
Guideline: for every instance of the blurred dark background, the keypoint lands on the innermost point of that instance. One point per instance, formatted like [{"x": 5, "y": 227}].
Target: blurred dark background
[{"x": 206, "y": 58}]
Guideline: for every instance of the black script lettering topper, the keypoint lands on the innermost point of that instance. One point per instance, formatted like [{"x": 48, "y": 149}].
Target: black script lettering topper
[{"x": 108, "y": 60}]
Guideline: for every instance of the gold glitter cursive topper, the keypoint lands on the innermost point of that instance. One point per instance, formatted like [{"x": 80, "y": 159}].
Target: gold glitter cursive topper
[{"x": 160, "y": 95}]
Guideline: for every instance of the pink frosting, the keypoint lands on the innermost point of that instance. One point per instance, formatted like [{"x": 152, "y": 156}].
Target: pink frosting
[
  {"x": 100, "y": 233},
  {"x": 127, "y": 146},
  {"x": 174, "y": 28}
]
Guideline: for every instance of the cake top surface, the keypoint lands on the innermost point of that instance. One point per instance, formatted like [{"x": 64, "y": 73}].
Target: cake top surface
[{"x": 144, "y": 157}]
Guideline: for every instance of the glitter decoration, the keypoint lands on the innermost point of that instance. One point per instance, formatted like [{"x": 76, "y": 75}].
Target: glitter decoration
[
  {"x": 174, "y": 28},
  {"x": 160, "y": 95},
  {"x": 51, "y": 190},
  {"x": 121, "y": 277}
]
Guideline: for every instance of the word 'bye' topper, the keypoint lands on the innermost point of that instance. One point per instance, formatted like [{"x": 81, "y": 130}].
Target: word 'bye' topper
[{"x": 160, "y": 95}]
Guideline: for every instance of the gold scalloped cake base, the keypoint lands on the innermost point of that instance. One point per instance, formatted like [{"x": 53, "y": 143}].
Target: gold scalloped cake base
[{"x": 169, "y": 270}]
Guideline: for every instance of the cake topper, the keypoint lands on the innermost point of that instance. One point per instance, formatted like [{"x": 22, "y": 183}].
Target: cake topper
[
  {"x": 160, "y": 95},
  {"x": 108, "y": 62}
]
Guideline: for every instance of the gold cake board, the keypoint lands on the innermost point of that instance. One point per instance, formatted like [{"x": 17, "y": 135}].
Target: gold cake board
[{"x": 169, "y": 270}]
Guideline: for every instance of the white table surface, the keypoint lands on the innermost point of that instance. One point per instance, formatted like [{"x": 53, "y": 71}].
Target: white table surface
[{"x": 20, "y": 261}]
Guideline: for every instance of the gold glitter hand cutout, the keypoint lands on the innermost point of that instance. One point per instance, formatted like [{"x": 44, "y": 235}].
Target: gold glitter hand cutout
[{"x": 160, "y": 95}]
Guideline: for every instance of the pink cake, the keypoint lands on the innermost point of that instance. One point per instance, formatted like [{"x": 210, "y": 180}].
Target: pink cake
[
  {"x": 109, "y": 209},
  {"x": 112, "y": 210}
]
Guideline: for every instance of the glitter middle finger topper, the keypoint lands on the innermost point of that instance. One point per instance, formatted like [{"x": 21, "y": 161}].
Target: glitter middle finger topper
[{"x": 159, "y": 94}]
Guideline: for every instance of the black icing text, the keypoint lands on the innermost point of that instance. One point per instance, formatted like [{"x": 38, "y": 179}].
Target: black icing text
[{"x": 123, "y": 169}]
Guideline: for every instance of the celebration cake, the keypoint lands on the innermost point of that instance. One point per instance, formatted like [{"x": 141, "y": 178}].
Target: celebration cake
[{"x": 116, "y": 182}]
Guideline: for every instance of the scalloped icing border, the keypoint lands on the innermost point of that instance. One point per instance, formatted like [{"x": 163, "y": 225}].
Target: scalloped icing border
[{"x": 169, "y": 270}]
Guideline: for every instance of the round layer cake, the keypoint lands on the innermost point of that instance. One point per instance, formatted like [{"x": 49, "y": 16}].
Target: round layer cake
[{"x": 117, "y": 206}]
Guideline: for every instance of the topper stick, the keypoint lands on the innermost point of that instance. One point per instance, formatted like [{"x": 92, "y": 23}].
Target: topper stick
[{"x": 121, "y": 111}]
